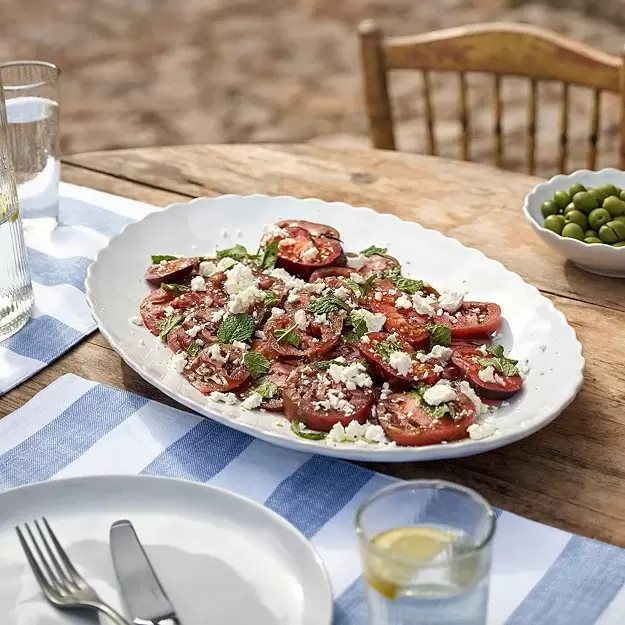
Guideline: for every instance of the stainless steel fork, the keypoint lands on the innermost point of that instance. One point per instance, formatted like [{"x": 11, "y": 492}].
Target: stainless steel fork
[{"x": 61, "y": 584}]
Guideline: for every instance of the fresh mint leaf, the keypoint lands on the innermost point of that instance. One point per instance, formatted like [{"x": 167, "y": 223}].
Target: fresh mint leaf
[
  {"x": 393, "y": 272},
  {"x": 256, "y": 364},
  {"x": 496, "y": 350},
  {"x": 408, "y": 285},
  {"x": 157, "y": 259},
  {"x": 359, "y": 325},
  {"x": 364, "y": 287},
  {"x": 326, "y": 304},
  {"x": 324, "y": 365},
  {"x": 386, "y": 348},
  {"x": 268, "y": 256},
  {"x": 502, "y": 364},
  {"x": 167, "y": 324},
  {"x": 193, "y": 349},
  {"x": 288, "y": 336},
  {"x": 238, "y": 327},
  {"x": 238, "y": 253},
  {"x": 372, "y": 250},
  {"x": 439, "y": 335},
  {"x": 436, "y": 412},
  {"x": 296, "y": 428},
  {"x": 271, "y": 299},
  {"x": 267, "y": 390},
  {"x": 174, "y": 288}
]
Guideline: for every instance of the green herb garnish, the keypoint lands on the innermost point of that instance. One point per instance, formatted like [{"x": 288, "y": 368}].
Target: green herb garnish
[
  {"x": 238, "y": 327},
  {"x": 359, "y": 325},
  {"x": 238, "y": 253},
  {"x": 386, "y": 348},
  {"x": 501, "y": 363},
  {"x": 288, "y": 336},
  {"x": 436, "y": 412},
  {"x": 156, "y": 260},
  {"x": 408, "y": 285},
  {"x": 439, "y": 335},
  {"x": 256, "y": 364},
  {"x": 393, "y": 273},
  {"x": 174, "y": 288},
  {"x": 327, "y": 304},
  {"x": 372, "y": 250},
  {"x": 267, "y": 390},
  {"x": 167, "y": 324},
  {"x": 364, "y": 287},
  {"x": 324, "y": 365},
  {"x": 266, "y": 258},
  {"x": 193, "y": 349},
  {"x": 296, "y": 428},
  {"x": 271, "y": 299}
]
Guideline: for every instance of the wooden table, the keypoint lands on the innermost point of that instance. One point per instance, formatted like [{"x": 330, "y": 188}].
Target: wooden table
[{"x": 572, "y": 473}]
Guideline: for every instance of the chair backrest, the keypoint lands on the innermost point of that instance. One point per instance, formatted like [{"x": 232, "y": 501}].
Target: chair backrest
[{"x": 497, "y": 48}]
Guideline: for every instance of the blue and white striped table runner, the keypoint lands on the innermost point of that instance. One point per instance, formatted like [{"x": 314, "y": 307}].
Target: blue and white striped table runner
[
  {"x": 58, "y": 266},
  {"x": 75, "y": 428}
]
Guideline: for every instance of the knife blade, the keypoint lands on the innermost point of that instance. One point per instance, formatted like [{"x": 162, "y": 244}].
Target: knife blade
[{"x": 143, "y": 594}]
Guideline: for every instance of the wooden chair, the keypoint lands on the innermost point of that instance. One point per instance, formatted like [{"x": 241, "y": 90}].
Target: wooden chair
[{"x": 503, "y": 50}]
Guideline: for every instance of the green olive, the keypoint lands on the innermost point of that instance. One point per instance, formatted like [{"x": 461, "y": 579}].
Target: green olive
[
  {"x": 607, "y": 235},
  {"x": 620, "y": 218},
  {"x": 573, "y": 231},
  {"x": 555, "y": 223},
  {"x": 614, "y": 205},
  {"x": 622, "y": 195},
  {"x": 592, "y": 240},
  {"x": 577, "y": 217},
  {"x": 609, "y": 189},
  {"x": 584, "y": 201},
  {"x": 619, "y": 244},
  {"x": 619, "y": 229},
  {"x": 591, "y": 233},
  {"x": 576, "y": 188},
  {"x": 561, "y": 198},
  {"x": 549, "y": 207},
  {"x": 598, "y": 217},
  {"x": 597, "y": 195},
  {"x": 570, "y": 207}
]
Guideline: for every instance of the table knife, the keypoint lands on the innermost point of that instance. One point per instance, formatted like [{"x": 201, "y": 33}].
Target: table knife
[{"x": 143, "y": 594}]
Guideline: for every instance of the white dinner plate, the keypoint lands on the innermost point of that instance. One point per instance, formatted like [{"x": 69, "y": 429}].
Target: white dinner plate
[
  {"x": 533, "y": 330},
  {"x": 221, "y": 558}
]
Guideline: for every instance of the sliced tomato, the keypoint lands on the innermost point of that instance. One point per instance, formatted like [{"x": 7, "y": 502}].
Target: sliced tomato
[
  {"x": 153, "y": 307},
  {"x": 317, "y": 230},
  {"x": 307, "y": 386},
  {"x": 171, "y": 270},
  {"x": 343, "y": 349},
  {"x": 407, "y": 324},
  {"x": 316, "y": 339},
  {"x": 207, "y": 374},
  {"x": 206, "y": 318},
  {"x": 348, "y": 295},
  {"x": 383, "y": 292},
  {"x": 476, "y": 319},
  {"x": 465, "y": 358},
  {"x": 278, "y": 374},
  {"x": 327, "y": 272},
  {"x": 375, "y": 265},
  {"x": 421, "y": 371},
  {"x": 269, "y": 283},
  {"x": 407, "y": 423}
]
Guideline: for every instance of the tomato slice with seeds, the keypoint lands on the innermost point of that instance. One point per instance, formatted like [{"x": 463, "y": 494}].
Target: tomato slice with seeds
[
  {"x": 309, "y": 395},
  {"x": 410, "y": 327},
  {"x": 206, "y": 318},
  {"x": 153, "y": 307},
  {"x": 406, "y": 422},
  {"x": 172, "y": 270},
  {"x": 208, "y": 374},
  {"x": 317, "y": 230},
  {"x": 464, "y": 359},
  {"x": 421, "y": 371},
  {"x": 328, "y": 272},
  {"x": 476, "y": 320},
  {"x": 375, "y": 265},
  {"x": 316, "y": 339},
  {"x": 278, "y": 375}
]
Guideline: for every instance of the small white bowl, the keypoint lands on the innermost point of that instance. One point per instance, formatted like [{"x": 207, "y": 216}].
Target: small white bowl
[{"x": 603, "y": 260}]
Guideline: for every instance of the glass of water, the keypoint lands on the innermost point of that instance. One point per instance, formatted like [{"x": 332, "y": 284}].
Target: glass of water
[
  {"x": 426, "y": 553},
  {"x": 32, "y": 105}
]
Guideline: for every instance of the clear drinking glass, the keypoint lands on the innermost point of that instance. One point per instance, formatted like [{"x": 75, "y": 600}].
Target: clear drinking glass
[
  {"x": 16, "y": 293},
  {"x": 32, "y": 105},
  {"x": 426, "y": 553}
]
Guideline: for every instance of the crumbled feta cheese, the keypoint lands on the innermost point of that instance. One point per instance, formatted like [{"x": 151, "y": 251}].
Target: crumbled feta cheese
[
  {"x": 259, "y": 334},
  {"x": 277, "y": 312},
  {"x": 293, "y": 297},
  {"x": 357, "y": 278},
  {"x": 465, "y": 389},
  {"x": 310, "y": 254},
  {"x": 365, "y": 339},
  {"x": 478, "y": 431},
  {"x": 482, "y": 348},
  {"x": 335, "y": 402},
  {"x": 290, "y": 282},
  {"x": 342, "y": 293},
  {"x": 198, "y": 284},
  {"x": 286, "y": 242},
  {"x": 225, "y": 263},
  {"x": 192, "y": 332},
  {"x": 422, "y": 305},
  {"x": 217, "y": 316},
  {"x": 300, "y": 319},
  {"x": 440, "y": 393},
  {"x": 271, "y": 231},
  {"x": 169, "y": 311},
  {"x": 239, "y": 278},
  {"x": 226, "y": 398},
  {"x": 136, "y": 320},
  {"x": 241, "y": 345},
  {"x": 403, "y": 302},
  {"x": 401, "y": 362},
  {"x": 523, "y": 368},
  {"x": 450, "y": 301},
  {"x": 378, "y": 297},
  {"x": 374, "y": 321},
  {"x": 242, "y": 301},
  {"x": 438, "y": 369},
  {"x": 352, "y": 376},
  {"x": 505, "y": 403},
  {"x": 178, "y": 361},
  {"x": 163, "y": 263},
  {"x": 354, "y": 431},
  {"x": 356, "y": 262},
  {"x": 207, "y": 268},
  {"x": 386, "y": 390},
  {"x": 438, "y": 352},
  {"x": 375, "y": 434},
  {"x": 199, "y": 342},
  {"x": 322, "y": 319},
  {"x": 489, "y": 375},
  {"x": 214, "y": 352},
  {"x": 336, "y": 434},
  {"x": 251, "y": 402},
  {"x": 439, "y": 312}
]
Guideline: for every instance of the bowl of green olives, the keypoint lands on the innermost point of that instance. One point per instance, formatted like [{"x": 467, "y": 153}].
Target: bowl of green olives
[{"x": 582, "y": 216}]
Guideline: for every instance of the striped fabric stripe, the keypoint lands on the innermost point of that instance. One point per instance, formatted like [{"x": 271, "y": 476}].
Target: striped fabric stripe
[
  {"x": 75, "y": 427},
  {"x": 60, "y": 260}
]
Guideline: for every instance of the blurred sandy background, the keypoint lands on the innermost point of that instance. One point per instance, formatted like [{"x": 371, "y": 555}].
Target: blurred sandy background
[{"x": 157, "y": 72}]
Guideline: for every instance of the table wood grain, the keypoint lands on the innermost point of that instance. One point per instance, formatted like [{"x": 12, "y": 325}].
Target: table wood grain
[{"x": 571, "y": 474}]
